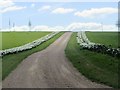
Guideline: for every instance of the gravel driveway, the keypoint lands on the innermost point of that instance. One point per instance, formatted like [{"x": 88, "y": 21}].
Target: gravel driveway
[{"x": 49, "y": 69}]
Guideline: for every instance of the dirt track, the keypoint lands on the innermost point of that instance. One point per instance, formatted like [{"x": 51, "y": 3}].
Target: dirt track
[{"x": 48, "y": 69}]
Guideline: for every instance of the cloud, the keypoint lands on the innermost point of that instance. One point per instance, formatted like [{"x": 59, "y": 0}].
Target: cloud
[
  {"x": 11, "y": 8},
  {"x": 41, "y": 27},
  {"x": 6, "y": 3},
  {"x": 81, "y": 26},
  {"x": 32, "y": 5},
  {"x": 20, "y": 28},
  {"x": 35, "y": 28},
  {"x": 9, "y": 5},
  {"x": 76, "y": 26},
  {"x": 96, "y": 12},
  {"x": 44, "y": 8},
  {"x": 63, "y": 10},
  {"x": 90, "y": 26},
  {"x": 48, "y": 28},
  {"x": 17, "y": 28}
]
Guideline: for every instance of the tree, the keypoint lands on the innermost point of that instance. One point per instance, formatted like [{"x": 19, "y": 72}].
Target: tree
[
  {"x": 13, "y": 25},
  {"x": 9, "y": 23},
  {"x": 102, "y": 26},
  {"x": 118, "y": 24},
  {"x": 29, "y": 25}
]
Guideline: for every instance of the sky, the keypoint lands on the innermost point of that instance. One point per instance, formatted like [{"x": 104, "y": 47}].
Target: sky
[{"x": 59, "y": 15}]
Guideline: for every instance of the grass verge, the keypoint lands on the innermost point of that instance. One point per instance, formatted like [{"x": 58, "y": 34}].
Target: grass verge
[
  {"x": 10, "y": 62},
  {"x": 14, "y": 39},
  {"x": 107, "y": 38},
  {"x": 95, "y": 66}
]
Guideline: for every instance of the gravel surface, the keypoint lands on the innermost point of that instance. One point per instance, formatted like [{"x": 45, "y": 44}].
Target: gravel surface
[{"x": 49, "y": 68}]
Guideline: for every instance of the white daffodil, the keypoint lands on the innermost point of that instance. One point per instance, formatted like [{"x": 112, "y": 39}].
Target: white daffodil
[{"x": 28, "y": 45}]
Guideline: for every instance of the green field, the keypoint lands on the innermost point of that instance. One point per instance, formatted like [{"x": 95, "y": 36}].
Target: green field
[
  {"x": 10, "y": 62},
  {"x": 107, "y": 38},
  {"x": 14, "y": 39},
  {"x": 95, "y": 66}
]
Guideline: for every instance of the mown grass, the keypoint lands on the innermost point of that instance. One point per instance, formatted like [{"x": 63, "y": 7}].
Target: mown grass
[
  {"x": 107, "y": 38},
  {"x": 95, "y": 66},
  {"x": 10, "y": 62},
  {"x": 14, "y": 39},
  {"x": 0, "y": 57}
]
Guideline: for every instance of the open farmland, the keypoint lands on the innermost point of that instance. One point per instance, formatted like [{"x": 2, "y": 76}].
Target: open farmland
[
  {"x": 98, "y": 67},
  {"x": 14, "y": 39},
  {"x": 107, "y": 38},
  {"x": 11, "y": 61}
]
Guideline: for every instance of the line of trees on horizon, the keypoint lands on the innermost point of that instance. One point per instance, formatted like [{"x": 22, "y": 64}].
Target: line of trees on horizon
[{"x": 13, "y": 24}]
